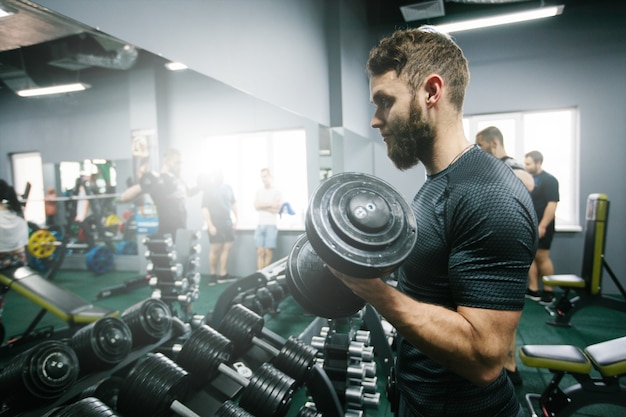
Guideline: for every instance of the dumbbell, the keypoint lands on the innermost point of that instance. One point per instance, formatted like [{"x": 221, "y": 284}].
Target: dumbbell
[
  {"x": 160, "y": 245},
  {"x": 102, "y": 344},
  {"x": 41, "y": 373},
  {"x": 149, "y": 320},
  {"x": 89, "y": 406},
  {"x": 230, "y": 409},
  {"x": 268, "y": 391},
  {"x": 357, "y": 224},
  {"x": 155, "y": 387},
  {"x": 243, "y": 327}
]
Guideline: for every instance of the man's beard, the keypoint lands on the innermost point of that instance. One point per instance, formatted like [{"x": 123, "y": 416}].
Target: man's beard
[{"x": 413, "y": 140}]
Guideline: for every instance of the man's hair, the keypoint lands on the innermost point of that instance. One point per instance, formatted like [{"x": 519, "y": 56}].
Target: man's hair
[
  {"x": 535, "y": 156},
  {"x": 490, "y": 134},
  {"x": 416, "y": 53}
]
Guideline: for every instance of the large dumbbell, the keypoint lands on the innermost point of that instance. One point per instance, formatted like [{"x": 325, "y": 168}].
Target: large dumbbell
[
  {"x": 357, "y": 224},
  {"x": 243, "y": 327},
  {"x": 149, "y": 321},
  {"x": 156, "y": 387},
  {"x": 102, "y": 344},
  {"x": 89, "y": 406},
  {"x": 41, "y": 373},
  {"x": 206, "y": 353}
]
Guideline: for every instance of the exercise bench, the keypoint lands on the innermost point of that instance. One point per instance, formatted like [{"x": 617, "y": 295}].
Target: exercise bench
[
  {"x": 586, "y": 287},
  {"x": 607, "y": 358},
  {"x": 51, "y": 298}
]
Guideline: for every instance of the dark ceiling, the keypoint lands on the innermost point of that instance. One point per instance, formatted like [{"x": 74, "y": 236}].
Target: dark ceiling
[{"x": 38, "y": 46}]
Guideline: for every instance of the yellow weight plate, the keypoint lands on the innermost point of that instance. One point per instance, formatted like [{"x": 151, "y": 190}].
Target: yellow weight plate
[
  {"x": 41, "y": 243},
  {"x": 112, "y": 220}
]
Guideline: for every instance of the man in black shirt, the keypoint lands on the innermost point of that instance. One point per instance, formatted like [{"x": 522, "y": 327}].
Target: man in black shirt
[
  {"x": 168, "y": 192},
  {"x": 461, "y": 291},
  {"x": 545, "y": 197}
]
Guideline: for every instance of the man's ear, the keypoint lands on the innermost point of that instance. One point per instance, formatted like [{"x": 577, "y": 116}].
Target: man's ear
[{"x": 434, "y": 86}]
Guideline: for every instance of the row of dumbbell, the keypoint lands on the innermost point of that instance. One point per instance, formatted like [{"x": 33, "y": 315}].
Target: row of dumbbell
[
  {"x": 173, "y": 279},
  {"x": 348, "y": 359},
  {"x": 48, "y": 370}
]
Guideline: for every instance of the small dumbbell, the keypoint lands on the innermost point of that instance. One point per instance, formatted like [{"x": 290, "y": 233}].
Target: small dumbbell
[
  {"x": 243, "y": 327},
  {"x": 205, "y": 355}
]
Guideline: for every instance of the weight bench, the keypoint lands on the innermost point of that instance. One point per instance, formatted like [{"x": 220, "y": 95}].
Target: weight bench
[
  {"x": 608, "y": 358},
  {"x": 587, "y": 287},
  {"x": 58, "y": 301}
]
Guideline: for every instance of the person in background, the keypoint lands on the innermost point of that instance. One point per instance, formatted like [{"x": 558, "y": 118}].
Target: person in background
[
  {"x": 267, "y": 202},
  {"x": 460, "y": 293},
  {"x": 50, "y": 206},
  {"x": 83, "y": 207},
  {"x": 491, "y": 141},
  {"x": 13, "y": 236},
  {"x": 545, "y": 197},
  {"x": 219, "y": 209},
  {"x": 168, "y": 191}
]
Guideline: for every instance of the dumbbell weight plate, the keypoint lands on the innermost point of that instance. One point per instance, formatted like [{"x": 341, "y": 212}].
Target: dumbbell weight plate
[
  {"x": 360, "y": 225},
  {"x": 41, "y": 243},
  {"x": 314, "y": 287}
]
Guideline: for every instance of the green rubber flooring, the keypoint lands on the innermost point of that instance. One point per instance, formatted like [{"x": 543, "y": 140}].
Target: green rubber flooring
[{"x": 591, "y": 325}]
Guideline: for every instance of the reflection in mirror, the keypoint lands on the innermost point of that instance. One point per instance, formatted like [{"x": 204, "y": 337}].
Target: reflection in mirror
[
  {"x": 182, "y": 108},
  {"x": 326, "y": 164}
]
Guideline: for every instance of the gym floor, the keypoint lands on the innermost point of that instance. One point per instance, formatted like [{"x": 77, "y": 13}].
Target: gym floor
[{"x": 589, "y": 326}]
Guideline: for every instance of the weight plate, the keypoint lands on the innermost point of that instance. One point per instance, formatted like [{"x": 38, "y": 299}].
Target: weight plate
[
  {"x": 44, "y": 371},
  {"x": 231, "y": 409},
  {"x": 295, "y": 359},
  {"x": 314, "y": 287},
  {"x": 152, "y": 386},
  {"x": 203, "y": 352},
  {"x": 41, "y": 243},
  {"x": 240, "y": 324},
  {"x": 148, "y": 320},
  {"x": 101, "y": 344},
  {"x": 269, "y": 393},
  {"x": 99, "y": 259},
  {"x": 360, "y": 225}
]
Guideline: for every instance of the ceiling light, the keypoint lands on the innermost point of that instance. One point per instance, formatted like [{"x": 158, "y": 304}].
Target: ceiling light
[
  {"x": 55, "y": 89},
  {"x": 501, "y": 19},
  {"x": 175, "y": 66}
]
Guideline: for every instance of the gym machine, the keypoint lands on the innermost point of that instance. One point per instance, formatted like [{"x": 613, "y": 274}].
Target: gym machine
[{"x": 606, "y": 358}]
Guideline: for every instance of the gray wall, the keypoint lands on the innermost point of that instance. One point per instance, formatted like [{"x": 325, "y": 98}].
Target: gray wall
[{"x": 299, "y": 60}]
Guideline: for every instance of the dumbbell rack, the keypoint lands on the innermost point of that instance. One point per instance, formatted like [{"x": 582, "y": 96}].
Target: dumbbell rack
[
  {"x": 261, "y": 292},
  {"x": 348, "y": 359},
  {"x": 151, "y": 331},
  {"x": 174, "y": 278}
]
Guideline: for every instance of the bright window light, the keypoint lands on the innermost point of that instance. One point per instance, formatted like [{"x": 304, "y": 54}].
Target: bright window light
[
  {"x": 55, "y": 89},
  {"x": 4, "y": 13},
  {"x": 554, "y": 133},
  {"x": 175, "y": 66},
  {"x": 500, "y": 20},
  {"x": 240, "y": 157}
]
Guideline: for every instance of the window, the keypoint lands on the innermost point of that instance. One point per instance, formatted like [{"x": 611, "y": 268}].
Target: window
[
  {"x": 28, "y": 169},
  {"x": 241, "y": 157},
  {"x": 554, "y": 133}
]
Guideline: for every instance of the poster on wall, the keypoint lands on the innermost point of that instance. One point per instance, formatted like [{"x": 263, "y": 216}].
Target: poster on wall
[{"x": 144, "y": 151}]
